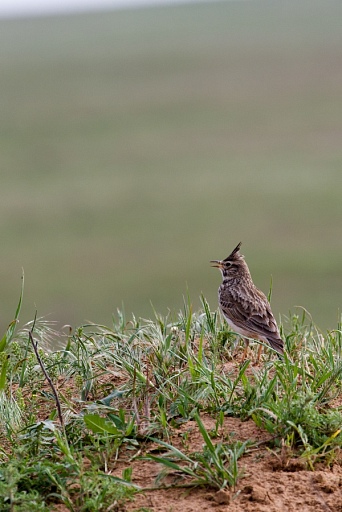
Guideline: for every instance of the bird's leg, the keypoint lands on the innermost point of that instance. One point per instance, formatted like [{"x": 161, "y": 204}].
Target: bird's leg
[
  {"x": 236, "y": 347},
  {"x": 259, "y": 354},
  {"x": 244, "y": 355}
]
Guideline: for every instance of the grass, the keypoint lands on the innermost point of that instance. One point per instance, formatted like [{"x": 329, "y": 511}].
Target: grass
[
  {"x": 138, "y": 145},
  {"x": 129, "y": 388},
  {"x": 216, "y": 466}
]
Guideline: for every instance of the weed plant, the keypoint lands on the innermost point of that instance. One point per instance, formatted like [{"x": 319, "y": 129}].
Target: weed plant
[{"x": 130, "y": 386}]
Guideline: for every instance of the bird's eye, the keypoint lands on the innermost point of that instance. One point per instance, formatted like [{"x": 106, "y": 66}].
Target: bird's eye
[{"x": 229, "y": 263}]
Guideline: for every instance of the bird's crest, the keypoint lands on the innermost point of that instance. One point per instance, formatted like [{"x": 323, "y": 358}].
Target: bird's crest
[{"x": 235, "y": 255}]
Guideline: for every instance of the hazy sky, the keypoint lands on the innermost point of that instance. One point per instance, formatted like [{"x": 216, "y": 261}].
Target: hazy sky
[{"x": 34, "y": 7}]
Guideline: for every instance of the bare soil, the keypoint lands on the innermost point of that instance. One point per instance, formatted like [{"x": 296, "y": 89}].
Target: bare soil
[{"x": 271, "y": 482}]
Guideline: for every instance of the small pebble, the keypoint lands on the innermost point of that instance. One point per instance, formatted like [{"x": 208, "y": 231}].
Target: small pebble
[{"x": 222, "y": 497}]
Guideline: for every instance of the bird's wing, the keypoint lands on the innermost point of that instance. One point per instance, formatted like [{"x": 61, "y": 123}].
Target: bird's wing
[{"x": 249, "y": 309}]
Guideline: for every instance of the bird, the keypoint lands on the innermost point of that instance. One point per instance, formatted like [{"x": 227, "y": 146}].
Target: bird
[{"x": 244, "y": 307}]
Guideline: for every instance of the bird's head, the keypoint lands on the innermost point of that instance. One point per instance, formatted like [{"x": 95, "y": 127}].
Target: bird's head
[{"x": 234, "y": 265}]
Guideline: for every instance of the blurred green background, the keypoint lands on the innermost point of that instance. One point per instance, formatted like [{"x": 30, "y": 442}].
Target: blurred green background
[{"x": 137, "y": 145}]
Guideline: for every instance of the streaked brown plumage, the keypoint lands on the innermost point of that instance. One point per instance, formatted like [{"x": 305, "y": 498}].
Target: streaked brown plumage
[{"x": 245, "y": 308}]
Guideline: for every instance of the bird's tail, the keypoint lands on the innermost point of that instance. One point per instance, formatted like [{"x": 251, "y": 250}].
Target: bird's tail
[{"x": 277, "y": 344}]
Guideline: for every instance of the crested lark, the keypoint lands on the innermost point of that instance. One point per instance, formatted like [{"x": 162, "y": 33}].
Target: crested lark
[{"x": 245, "y": 308}]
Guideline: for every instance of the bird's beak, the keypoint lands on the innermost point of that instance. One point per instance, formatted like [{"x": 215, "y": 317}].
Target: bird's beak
[{"x": 216, "y": 263}]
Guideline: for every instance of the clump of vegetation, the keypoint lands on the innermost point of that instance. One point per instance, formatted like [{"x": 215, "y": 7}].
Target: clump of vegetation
[{"x": 68, "y": 415}]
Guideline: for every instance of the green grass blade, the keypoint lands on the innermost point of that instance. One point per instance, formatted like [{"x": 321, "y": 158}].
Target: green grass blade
[
  {"x": 173, "y": 449},
  {"x": 205, "y": 434},
  {"x": 11, "y": 328},
  {"x": 170, "y": 464},
  {"x": 99, "y": 425},
  {"x": 3, "y": 373},
  {"x": 238, "y": 378}
]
